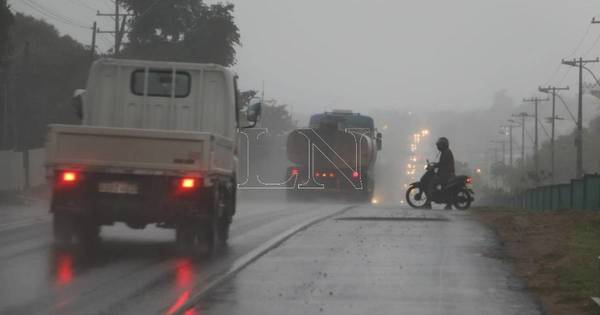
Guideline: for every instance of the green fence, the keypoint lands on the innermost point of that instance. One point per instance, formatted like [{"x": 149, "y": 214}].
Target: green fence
[
  {"x": 591, "y": 192},
  {"x": 580, "y": 194},
  {"x": 577, "y": 194}
]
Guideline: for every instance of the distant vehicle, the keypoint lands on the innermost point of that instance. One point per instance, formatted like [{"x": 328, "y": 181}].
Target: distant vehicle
[
  {"x": 157, "y": 146},
  {"x": 456, "y": 192},
  {"x": 334, "y": 156}
]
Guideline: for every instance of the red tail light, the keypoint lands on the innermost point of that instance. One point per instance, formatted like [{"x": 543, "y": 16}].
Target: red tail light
[
  {"x": 295, "y": 171},
  {"x": 188, "y": 183},
  {"x": 355, "y": 175},
  {"x": 469, "y": 180},
  {"x": 318, "y": 174},
  {"x": 69, "y": 177}
]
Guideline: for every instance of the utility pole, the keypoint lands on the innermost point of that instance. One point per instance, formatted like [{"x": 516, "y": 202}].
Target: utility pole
[
  {"x": 536, "y": 101},
  {"x": 503, "y": 142},
  {"x": 120, "y": 20},
  {"x": 579, "y": 136},
  {"x": 510, "y": 140},
  {"x": 522, "y": 116},
  {"x": 93, "y": 48},
  {"x": 4, "y": 81},
  {"x": 553, "y": 90},
  {"x": 24, "y": 134}
]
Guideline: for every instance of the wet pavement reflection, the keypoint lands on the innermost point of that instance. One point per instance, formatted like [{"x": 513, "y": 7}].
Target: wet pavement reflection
[{"x": 129, "y": 272}]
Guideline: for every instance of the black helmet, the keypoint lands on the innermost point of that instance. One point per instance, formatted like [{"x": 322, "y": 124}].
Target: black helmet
[{"x": 442, "y": 144}]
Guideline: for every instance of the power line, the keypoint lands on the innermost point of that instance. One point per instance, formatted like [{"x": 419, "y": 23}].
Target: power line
[
  {"x": 149, "y": 8},
  {"x": 536, "y": 101},
  {"x": 84, "y": 4},
  {"x": 567, "y": 108},
  {"x": 587, "y": 31},
  {"x": 580, "y": 63},
  {"x": 579, "y": 44},
  {"x": 553, "y": 90},
  {"x": 53, "y": 15},
  {"x": 56, "y": 14}
]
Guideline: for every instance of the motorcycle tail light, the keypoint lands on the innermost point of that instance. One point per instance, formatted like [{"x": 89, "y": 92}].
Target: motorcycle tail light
[
  {"x": 469, "y": 180},
  {"x": 355, "y": 175},
  {"x": 295, "y": 171}
]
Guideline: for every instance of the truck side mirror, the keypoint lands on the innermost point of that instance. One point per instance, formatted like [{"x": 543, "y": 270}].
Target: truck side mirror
[
  {"x": 77, "y": 102},
  {"x": 254, "y": 111},
  {"x": 379, "y": 141}
]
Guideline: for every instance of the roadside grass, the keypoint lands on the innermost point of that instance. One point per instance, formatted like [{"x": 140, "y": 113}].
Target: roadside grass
[
  {"x": 581, "y": 275},
  {"x": 555, "y": 252}
]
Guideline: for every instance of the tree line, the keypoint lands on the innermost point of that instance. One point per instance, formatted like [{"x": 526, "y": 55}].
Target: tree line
[{"x": 40, "y": 68}]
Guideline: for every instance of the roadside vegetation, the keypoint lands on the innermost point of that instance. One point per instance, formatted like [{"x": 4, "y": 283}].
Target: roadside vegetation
[{"x": 556, "y": 253}]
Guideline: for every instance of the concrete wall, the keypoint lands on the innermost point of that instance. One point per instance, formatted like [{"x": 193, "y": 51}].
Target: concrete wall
[{"x": 12, "y": 172}]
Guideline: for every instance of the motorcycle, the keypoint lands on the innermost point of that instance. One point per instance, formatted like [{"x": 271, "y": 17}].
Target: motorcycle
[{"x": 455, "y": 192}]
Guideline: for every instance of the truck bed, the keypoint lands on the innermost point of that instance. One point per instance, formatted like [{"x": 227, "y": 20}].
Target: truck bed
[{"x": 138, "y": 151}]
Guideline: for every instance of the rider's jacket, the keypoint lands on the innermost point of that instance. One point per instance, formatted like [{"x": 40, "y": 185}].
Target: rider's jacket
[{"x": 446, "y": 164}]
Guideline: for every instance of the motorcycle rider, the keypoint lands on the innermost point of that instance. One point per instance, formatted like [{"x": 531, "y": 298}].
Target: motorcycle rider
[{"x": 445, "y": 169}]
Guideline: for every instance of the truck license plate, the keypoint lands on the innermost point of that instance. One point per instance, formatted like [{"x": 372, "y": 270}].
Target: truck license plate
[{"x": 118, "y": 188}]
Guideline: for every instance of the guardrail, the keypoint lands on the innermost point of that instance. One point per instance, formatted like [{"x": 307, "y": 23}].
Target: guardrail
[{"x": 579, "y": 194}]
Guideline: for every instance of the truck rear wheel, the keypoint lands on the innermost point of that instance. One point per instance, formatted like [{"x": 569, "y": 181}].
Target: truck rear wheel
[
  {"x": 225, "y": 220},
  {"x": 210, "y": 236},
  {"x": 89, "y": 231},
  {"x": 224, "y": 225}
]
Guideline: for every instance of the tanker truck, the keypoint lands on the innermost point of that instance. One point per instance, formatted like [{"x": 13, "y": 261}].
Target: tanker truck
[{"x": 334, "y": 157}]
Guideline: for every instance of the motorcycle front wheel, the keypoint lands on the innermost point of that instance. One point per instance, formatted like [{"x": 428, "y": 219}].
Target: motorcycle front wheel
[
  {"x": 416, "y": 197},
  {"x": 463, "y": 200}
]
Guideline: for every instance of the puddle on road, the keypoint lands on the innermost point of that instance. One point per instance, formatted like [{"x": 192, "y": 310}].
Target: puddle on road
[{"x": 412, "y": 219}]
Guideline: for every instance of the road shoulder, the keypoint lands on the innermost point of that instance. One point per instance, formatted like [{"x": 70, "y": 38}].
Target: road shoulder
[
  {"x": 556, "y": 253},
  {"x": 379, "y": 261}
]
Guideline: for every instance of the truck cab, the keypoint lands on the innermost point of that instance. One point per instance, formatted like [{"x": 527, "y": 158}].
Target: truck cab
[{"x": 157, "y": 145}]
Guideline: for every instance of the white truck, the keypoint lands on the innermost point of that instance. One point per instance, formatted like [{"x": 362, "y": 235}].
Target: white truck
[{"x": 157, "y": 145}]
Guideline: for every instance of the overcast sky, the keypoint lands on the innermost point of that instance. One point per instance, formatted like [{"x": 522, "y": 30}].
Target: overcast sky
[{"x": 324, "y": 54}]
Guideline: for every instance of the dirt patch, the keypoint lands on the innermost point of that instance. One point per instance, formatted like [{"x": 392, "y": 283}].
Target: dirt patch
[{"x": 556, "y": 253}]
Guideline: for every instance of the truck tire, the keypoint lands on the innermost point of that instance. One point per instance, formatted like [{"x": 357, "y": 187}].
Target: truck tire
[
  {"x": 227, "y": 218},
  {"x": 210, "y": 236},
  {"x": 224, "y": 226},
  {"x": 63, "y": 227},
  {"x": 213, "y": 228},
  {"x": 88, "y": 231}
]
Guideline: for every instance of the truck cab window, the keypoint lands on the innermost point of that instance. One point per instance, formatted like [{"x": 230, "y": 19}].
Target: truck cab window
[{"x": 160, "y": 83}]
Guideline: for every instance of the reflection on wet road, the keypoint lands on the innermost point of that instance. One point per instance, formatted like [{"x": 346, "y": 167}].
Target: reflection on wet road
[{"x": 132, "y": 272}]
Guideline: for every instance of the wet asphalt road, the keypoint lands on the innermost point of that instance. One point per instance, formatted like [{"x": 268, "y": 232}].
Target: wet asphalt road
[
  {"x": 367, "y": 260},
  {"x": 133, "y": 272},
  {"x": 379, "y": 261}
]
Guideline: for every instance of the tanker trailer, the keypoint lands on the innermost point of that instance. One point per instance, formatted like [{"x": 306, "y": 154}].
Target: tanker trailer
[{"x": 334, "y": 157}]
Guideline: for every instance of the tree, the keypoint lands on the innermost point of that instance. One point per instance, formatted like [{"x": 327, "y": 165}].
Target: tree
[
  {"x": 277, "y": 119},
  {"x": 44, "y": 69},
  {"x": 182, "y": 30},
  {"x": 6, "y": 21}
]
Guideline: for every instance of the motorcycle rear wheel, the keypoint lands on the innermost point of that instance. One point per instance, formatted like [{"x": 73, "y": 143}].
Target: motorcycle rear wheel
[
  {"x": 463, "y": 200},
  {"x": 416, "y": 197}
]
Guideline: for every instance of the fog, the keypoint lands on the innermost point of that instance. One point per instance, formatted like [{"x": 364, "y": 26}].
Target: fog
[
  {"x": 459, "y": 69},
  {"x": 392, "y": 54}
]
